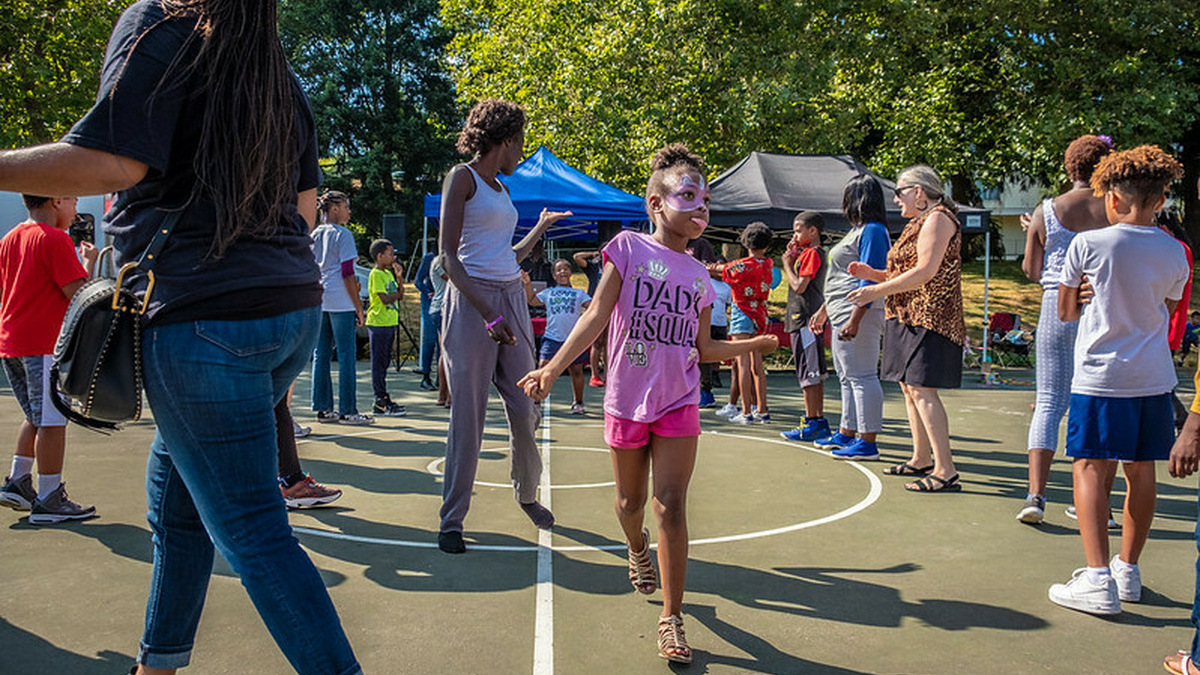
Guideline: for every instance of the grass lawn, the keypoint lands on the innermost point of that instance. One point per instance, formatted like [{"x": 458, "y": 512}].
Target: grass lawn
[{"x": 1008, "y": 291}]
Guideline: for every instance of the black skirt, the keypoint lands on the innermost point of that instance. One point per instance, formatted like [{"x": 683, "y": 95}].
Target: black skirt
[{"x": 920, "y": 357}]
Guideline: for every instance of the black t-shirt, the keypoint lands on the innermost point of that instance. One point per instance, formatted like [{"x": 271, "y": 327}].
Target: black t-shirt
[
  {"x": 801, "y": 306},
  {"x": 159, "y": 125}
]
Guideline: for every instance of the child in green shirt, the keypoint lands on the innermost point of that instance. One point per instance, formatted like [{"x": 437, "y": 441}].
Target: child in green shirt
[{"x": 383, "y": 318}]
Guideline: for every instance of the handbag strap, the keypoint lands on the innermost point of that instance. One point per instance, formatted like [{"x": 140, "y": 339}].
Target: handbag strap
[{"x": 150, "y": 255}]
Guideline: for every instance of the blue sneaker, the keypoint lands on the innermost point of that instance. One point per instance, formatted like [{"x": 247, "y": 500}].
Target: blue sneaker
[
  {"x": 707, "y": 400},
  {"x": 859, "y": 449},
  {"x": 835, "y": 442},
  {"x": 811, "y": 430}
]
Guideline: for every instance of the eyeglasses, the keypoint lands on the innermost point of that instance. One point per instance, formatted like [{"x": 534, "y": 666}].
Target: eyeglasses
[{"x": 900, "y": 190}]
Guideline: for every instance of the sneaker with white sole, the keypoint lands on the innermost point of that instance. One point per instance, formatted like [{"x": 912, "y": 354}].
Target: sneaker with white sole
[
  {"x": 308, "y": 492},
  {"x": 1081, "y": 594},
  {"x": 299, "y": 431},
  {"x": 1034, "y": 510},
  {"x": 727, "y": 411},
  {"x": 18, "y": 494},
  {"x": 384, "y": 407},
  {"x": 57, "y": 507},
  {"x": 742, "y": 418},
  {"x": 578, "y": 409},
  {"x": 1112, "y": 524},
  {"x": 764, "y": 418},
  {"x": 355, "y": 420},
  {"x": 1128, "y": 578},
  {"x": 328, "y": 416}
]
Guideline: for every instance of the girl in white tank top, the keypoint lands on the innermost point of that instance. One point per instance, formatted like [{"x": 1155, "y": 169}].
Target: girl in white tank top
[{"x": 489, "y": 221}]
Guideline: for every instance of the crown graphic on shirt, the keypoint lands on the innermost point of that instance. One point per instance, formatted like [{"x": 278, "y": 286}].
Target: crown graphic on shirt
[{"x": 658, "y": 269}]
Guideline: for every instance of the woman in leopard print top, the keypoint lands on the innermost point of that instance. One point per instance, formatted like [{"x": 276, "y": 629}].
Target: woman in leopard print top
[{"x": 923, "y": 336}]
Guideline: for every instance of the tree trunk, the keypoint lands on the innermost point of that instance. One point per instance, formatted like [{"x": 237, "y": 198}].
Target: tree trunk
[{"x": 1191, "y": 175}]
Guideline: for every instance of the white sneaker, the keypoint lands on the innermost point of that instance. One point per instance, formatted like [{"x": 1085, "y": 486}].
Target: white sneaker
[
  {"x": 729, "y": 410},
  {"x": 299, "y": 431},
  {"x": 1081, "y": 594},
  {"x": 578, "y": 409},
  {"x": 1128, "y": 578},
  {"x": 741, "y": 418},
  {"x": 355, "y": 420}
]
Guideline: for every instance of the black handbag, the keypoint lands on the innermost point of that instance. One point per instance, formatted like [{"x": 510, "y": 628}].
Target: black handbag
[{"x": 98, "y": 356}]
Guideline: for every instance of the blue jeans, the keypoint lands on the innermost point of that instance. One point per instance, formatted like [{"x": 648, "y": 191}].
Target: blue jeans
[
  {"x": 429, "y": 336},
  {"x": 211, "y": 484},
  {"x": 337, "y": 328}
]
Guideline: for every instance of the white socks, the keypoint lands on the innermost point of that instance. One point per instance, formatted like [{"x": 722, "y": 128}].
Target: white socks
[
  {"x": 48, "y": 484},
  {"x": 21, "y": 466},
  {"x": 1121, "y": 564},
  {"x": 1098, "y": 576}
]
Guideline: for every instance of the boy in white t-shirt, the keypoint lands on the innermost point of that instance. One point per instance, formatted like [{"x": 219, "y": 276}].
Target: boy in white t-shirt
[
  {"x": 564, "y": 305},
  {"x": 1120, "y": 408}
]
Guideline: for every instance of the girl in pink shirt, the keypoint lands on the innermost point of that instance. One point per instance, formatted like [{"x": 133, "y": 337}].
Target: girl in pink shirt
[{"x": 658, "y": 299}]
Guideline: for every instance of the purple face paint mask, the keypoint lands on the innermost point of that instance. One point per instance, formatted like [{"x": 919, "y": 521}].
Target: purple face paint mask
[{"x": 688, "y": 195}]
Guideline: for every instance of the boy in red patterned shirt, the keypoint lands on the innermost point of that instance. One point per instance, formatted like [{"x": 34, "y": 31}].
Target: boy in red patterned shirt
[{"x": 750, "y": 278}]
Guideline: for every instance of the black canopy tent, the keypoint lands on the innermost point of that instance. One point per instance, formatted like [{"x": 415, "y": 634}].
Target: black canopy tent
[{"x": 773, "y": 188}]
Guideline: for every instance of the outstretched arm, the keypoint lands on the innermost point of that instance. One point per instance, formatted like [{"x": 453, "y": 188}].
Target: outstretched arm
[
  {"x": 65, "y": 169},
  {"x": 719, "y": 350}
]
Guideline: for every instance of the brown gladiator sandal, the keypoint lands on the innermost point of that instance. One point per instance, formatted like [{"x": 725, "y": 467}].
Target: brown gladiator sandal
[
  {"x": 641, "y": 570},
  {"x": 672, "y": 645}
]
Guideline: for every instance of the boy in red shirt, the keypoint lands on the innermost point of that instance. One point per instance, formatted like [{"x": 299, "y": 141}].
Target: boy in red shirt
[
  {"x": 39, "y": 272},
  {"x": 750, "y": 279}
]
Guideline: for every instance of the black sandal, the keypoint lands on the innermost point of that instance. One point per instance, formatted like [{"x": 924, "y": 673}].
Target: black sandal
[
  {"x": 926, "y": 484},
  {"x": 907, "y": 469}
]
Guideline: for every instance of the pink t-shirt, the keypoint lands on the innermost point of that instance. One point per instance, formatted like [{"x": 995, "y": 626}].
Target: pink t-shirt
[{"x": 653, "y": 363}]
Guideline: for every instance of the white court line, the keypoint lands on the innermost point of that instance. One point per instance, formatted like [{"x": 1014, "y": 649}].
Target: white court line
[
  {"x": 872, "y": 496},
  {"x": 543, "y": 625}
]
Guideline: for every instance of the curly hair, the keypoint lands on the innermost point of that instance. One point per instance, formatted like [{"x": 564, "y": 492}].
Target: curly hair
[
  {"x": 491, "y": 122},
  {"x": 1142, "y": 174},
  {"x": 670, "y": 159},
  {"x": 757, "y": 236},
  {"x": 1083, "y": 154}
]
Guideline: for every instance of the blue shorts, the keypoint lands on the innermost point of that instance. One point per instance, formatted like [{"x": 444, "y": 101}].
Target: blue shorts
[
  {"x": 1138, "y": 429},
  {"x": 551, "y": 347},
  {"x": 740, "y": 323}
]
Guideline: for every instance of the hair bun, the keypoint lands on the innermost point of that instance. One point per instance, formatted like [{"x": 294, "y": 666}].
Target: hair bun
[{"x": 675, "y": 154}]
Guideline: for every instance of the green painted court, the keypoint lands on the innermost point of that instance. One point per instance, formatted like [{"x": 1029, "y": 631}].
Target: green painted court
[{"x": 800, "y": 564}]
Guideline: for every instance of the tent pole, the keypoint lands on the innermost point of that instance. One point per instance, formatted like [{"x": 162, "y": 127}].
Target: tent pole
[{"x": 987, "y": 269}]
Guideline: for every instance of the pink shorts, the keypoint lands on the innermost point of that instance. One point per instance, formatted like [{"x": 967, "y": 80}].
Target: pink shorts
[{"x": 624, "y": 434}]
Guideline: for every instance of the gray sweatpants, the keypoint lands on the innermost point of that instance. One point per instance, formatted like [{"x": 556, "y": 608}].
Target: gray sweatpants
[
  {"x": 474, "y": 361},
  {"x": 857, "y": 364}
]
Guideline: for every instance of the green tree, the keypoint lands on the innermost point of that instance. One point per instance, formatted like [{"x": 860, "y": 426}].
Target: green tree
[
  {"x": 384, "y": 104},
  {"x": 51, "y": 52},
  {"x": 984, "y": 91}
]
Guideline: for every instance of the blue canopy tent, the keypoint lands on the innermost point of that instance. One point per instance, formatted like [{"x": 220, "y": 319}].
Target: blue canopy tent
[{"x": 545, "y": 181}]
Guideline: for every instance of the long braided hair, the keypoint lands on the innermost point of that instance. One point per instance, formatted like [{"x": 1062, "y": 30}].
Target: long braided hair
[{"x": 247, "y": 150}]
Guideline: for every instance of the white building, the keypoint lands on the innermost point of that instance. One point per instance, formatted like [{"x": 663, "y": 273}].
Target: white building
[{"x": 1007, "y": 203}]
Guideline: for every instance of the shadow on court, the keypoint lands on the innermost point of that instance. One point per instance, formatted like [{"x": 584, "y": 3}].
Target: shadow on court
[{"x": 25, "y": 652}]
